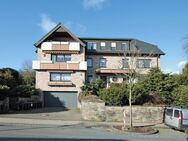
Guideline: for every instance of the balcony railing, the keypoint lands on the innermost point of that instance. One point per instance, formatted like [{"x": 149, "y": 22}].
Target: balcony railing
[
  {"x": 114, "y": 71},
  {"x": 60, "y": 46},
  {"x": 69, "y": 65}
]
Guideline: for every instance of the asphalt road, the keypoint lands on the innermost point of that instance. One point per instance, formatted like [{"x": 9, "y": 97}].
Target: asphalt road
[{"x": 13, "y": 132}]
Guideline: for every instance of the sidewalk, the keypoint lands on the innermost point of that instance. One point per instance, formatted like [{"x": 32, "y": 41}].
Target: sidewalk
[{"x": 12, "y": 120}]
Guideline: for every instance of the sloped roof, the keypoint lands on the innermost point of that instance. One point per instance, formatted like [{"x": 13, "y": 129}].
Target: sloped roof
[
  {"x": 143, "y": 47},
  {"x": 57, "y": 27},
  {"x": 147, "y": 48}
]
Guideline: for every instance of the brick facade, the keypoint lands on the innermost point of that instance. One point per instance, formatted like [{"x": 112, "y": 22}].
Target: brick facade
[{"x": 63, "y": 42}]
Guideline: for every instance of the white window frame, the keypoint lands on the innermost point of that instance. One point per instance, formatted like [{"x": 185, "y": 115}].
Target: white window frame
[
  {"x": 103, "y": 44},
  {"x": 113, "y": 44},
  {"x": 61, "y": 76}
]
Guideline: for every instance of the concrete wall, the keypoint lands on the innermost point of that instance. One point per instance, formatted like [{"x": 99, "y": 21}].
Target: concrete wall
[{"x": 141, "y": 114}]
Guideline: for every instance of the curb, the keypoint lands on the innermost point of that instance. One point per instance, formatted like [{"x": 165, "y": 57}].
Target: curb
[{"x": 155, "y": 131}]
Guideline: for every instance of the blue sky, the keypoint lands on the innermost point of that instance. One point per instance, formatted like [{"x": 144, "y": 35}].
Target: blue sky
[{"x": 160, "y": 22}]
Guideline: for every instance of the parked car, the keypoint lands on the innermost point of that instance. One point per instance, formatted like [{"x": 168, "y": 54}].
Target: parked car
[{"x": 176, "y": 118}]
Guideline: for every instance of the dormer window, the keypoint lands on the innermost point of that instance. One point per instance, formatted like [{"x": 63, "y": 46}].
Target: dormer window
[
  {"x": 123, "y": 46},
  {"x": 103, "y": 45},
  {"x": 91, "y": 45},
  {"x": 113, "y": 46}
]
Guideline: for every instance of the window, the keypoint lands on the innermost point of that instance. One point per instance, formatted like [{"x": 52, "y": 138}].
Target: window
[
  {"x": 89, "y": 62},
  {"x": 103, "y": 63},
  {"x": 91, "y": 46},
  {"x": 123, "y": 46},
  {"x": 125, "y": 63},
  {"x": 61, "y": 57},
  {"x": 89, "y": 78},
  {"x": 57, "y": 76},
  {"x": 103, "y": 44},
  {"x": 176, "y": 113},
  {"x": 143, "y": 63},
  {"x": 114, "y": 79},
  {"x": 169, "y": 112},
  {"x": 113, "y": 46}
]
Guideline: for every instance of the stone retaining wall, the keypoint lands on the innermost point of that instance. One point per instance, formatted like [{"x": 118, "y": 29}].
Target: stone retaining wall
[{"x": 142, "y": 114}]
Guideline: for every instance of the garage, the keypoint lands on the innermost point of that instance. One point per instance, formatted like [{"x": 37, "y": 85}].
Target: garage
[{"x": 60, "y": 99}]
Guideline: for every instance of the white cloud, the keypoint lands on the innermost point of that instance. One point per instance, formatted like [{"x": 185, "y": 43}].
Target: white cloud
[
  {"x": 46, "y": 23},
  {"x": 96, "y": 4},
  {"x": 181, "y": 64},
  {"x": 81, "y": 28},
  {"x": 75, "y": 27}
]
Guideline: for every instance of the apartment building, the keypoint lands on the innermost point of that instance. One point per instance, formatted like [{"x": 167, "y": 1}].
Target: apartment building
[{"x": 65, "y": 62}]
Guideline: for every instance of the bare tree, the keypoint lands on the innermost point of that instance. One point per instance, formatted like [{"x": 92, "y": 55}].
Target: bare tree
[
  {"x": 185, "y": 45},
  {"x": 28, "y": 75},
  {"x": 132, "y": 71}
]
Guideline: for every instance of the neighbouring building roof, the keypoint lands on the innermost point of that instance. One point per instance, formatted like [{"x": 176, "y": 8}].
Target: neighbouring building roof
[{"x": 143, "y": 47}]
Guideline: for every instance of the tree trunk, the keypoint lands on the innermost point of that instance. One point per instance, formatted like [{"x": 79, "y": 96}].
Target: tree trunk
[{"x": 130, "y": 107}]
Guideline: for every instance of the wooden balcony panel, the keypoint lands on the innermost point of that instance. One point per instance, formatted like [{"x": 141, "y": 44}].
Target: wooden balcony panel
[
  {"x": 48, "y": 66},
  {"x": 59, "y": 66},
  {"x": 62, "y": 65},
  {"x": 60, "y": 47},
  {"x": 73, "y": 66}
]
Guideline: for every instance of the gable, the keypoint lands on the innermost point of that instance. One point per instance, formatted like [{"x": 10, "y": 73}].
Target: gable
[{"x": 59, "y": 33}]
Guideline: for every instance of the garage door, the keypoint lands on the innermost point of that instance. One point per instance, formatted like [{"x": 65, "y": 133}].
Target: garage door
[{"x": 60, "y": 99}]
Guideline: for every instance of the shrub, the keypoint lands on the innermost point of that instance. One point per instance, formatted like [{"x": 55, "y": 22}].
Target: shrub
[
  {"x": 139, "y": 94},
  {"x": 180, "y": 96},
  {"x": 115, "y": 95},
  {"x": 93, "y": 87},
  {"x": 4, "y": 91},
  {"x": 23, "y": 91}
]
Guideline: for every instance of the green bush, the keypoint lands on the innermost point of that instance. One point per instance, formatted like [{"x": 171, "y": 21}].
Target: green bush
[
  {"x": 139, "y": 94},
  {"x": 4, "y": 91},
  {"x": 180, "y": 96},
  {"x": 93, "y": 87},
  {"x": 115, "y": 95},
  {"x": 23, "y": 91}
]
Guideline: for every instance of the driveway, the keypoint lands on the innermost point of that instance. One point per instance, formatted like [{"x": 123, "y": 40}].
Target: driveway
[{"x": 56, "y": 113}]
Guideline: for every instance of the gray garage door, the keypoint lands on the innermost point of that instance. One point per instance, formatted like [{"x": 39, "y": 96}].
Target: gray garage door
[{"x": 60, "y": 99}]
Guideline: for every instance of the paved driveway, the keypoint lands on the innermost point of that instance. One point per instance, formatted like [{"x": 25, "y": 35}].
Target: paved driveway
[{"x": 47, "y": 113}]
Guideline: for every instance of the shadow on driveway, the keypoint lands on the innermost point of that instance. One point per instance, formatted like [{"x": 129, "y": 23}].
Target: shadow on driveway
[
  {"x": 40, "y": 110},
  {"x": 56, "y": 139},
  {"x": 56, "y": 113}
]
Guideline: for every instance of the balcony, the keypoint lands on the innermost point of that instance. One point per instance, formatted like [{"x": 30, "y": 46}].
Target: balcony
[
  {"x": 113, "y": 71},
  {"x": 53, "y": 83},
  {"x": 61, "y": 46},
  {"x": 69, "y": 65}
]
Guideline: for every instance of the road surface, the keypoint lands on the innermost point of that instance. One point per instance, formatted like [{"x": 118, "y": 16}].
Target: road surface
[{"x": 20, "y": 132}]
